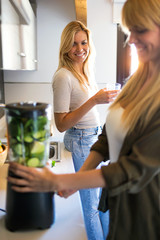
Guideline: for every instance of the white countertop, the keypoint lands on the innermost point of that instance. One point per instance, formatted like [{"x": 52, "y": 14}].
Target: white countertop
[{"x": 68, "y": 216}]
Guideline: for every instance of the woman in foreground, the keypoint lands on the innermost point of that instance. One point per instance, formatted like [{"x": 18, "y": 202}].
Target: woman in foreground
[{"x": 133, "y": 177}]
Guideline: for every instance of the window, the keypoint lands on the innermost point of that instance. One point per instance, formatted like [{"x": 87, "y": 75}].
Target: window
[{"x": 134, "y": 59}]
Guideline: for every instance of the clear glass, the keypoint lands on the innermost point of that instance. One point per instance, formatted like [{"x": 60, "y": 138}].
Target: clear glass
[
  {"x": 28, "y": 127},
  {"x": 113, "y": 86}
]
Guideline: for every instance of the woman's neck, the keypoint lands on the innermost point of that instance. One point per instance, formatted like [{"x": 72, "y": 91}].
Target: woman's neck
[
  {"x": 154, "y": 66},
  {"x": 76, "y": 68},
  {"x": 150, "y": 70},
  {"x": 79, "y": 68},
  {"x": 149, "y": 78}
]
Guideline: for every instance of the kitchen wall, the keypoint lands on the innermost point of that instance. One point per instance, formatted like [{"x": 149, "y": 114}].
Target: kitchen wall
[{"x": 52, "y": 17}]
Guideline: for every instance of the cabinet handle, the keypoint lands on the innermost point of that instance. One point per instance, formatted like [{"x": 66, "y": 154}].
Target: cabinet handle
[{"x": 22, "y": 54}]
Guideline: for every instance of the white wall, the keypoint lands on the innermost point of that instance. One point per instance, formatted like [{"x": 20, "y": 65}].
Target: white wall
[{"x": 52, "y": 17}]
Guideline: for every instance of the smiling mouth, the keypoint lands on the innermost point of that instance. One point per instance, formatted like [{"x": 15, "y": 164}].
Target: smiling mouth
[{"x": 80, "y": 54}]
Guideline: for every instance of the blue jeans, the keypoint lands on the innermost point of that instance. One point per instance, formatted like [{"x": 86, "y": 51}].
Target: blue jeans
[{"x": 79, "y": 142}]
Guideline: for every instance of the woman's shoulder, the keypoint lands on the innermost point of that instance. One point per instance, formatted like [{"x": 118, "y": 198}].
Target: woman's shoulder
[
  {"x": 62, "y": 78},
  {"x": 62, "y": 75},
  {"x": 62, "y": 72}
]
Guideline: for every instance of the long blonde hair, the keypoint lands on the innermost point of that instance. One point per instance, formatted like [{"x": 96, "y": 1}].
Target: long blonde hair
[
  {"x": 67, "y": 40},
  {"x": 140, "y": 106}
]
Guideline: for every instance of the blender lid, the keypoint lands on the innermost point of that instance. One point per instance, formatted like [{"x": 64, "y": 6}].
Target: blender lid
[{"x": 28, "y": 106}]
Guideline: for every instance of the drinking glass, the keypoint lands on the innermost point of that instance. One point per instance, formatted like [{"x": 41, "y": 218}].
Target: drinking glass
[{"x": 113, "y": 86}]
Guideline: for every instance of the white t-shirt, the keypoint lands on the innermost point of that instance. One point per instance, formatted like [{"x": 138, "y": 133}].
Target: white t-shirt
[
  {"x": 116, "y": 132},
  {"x": 68, "y": 95}
]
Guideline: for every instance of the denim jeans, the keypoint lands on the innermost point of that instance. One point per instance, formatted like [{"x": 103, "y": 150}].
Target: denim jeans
[{"x": 79, "y": 142}]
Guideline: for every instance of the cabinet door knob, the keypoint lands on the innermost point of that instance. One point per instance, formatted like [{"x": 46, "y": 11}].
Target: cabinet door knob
[{"x": 21, "y": 54}]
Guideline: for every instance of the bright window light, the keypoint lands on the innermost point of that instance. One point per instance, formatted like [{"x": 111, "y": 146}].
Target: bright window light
[{"x": 134, "y": 59}]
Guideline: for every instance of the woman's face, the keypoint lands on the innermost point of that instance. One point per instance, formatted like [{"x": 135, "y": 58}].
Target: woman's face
[
  {"x": 147, "y": 43},
  {"x": 80, "y": 48}
]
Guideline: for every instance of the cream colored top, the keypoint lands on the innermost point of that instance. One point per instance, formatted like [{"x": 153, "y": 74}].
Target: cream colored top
[
  {"x": 116, "y": 132},
  {"x": 69, "y": 95}
]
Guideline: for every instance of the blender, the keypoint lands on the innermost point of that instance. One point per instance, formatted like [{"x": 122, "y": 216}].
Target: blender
[{"x": 28, "y": 132}]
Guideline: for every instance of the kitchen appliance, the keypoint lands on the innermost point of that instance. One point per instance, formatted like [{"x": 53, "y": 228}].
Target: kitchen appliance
[
  {"x": 55, "y": 151},
  {"x": 28, "y": 130}
]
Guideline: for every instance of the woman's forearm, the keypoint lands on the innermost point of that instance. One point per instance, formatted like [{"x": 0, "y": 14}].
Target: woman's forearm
[
  {"x": 92, "y": 161},
  {"x": 80, "y": 180}
]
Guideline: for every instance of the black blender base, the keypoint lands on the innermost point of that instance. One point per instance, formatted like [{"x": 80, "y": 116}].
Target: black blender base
[{"x": 29, "y": 210}]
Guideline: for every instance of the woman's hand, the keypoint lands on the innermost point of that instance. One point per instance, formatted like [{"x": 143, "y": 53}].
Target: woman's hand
[
  {"x": 105, "y": 96},
  {"x": 32, "y": 179},
  {"x": 66, "y": 193}
]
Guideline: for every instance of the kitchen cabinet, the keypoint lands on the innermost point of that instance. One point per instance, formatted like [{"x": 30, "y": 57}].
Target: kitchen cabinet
[{"x": 18, "y": 35}]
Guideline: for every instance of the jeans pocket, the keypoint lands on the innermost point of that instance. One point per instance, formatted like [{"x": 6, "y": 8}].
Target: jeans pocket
[{"x": 68, "y": 142}]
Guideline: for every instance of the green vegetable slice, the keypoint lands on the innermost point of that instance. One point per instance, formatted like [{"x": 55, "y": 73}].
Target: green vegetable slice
[
  {"x": 38, "y": 150},
  {"x": 18, "y": 148},
  {"x": 37, "y": 135},
  {"x": 28, "y": 139},
  {"x": 33, "y": 162},
  {"x": 38, "y": 147}
]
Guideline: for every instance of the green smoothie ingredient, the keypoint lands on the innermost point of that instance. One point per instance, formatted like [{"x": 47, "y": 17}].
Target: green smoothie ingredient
[{"x": 28, "y": 140}]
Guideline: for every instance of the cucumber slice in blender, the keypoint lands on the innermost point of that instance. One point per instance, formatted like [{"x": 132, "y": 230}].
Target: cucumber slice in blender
[
  {"x": 28, "y": 139},
  {"x": 37, "y": 134},
  {"x": 38, "y": 150},
  {"x": 18, "y": 149},
  {"x": 33, "y": 162}
]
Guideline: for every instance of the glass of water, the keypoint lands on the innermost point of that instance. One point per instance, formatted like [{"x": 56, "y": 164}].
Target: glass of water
[{"x": 113, "y": 86}]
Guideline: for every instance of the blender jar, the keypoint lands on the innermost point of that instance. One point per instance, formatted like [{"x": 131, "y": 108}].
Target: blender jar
[{"x": 28, "y": 128}]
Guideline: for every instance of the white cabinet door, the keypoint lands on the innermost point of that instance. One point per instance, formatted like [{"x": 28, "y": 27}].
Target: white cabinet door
[
  {"x": 27, "y": 35},
  {"x": 10, "y": 47},
  {"x": 9, "y": 36},
  {"x": 18, "y": 39}
]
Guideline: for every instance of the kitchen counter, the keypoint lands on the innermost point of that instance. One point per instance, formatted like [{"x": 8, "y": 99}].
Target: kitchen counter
[{"x": 68, "y": 224}]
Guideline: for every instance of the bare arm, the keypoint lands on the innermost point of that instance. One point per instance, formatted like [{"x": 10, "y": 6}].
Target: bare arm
[
  {"x": 81, "y": 180},
  {"x": 92, "y": 161},
  {"x": 44, "y": 180},
  {"x": 65, "y": 121}
]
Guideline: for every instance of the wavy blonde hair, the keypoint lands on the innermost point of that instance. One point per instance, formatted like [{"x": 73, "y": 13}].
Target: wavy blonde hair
[
  {"x": 67, "y": 40},
  {"x": 140, "y": 106}
]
